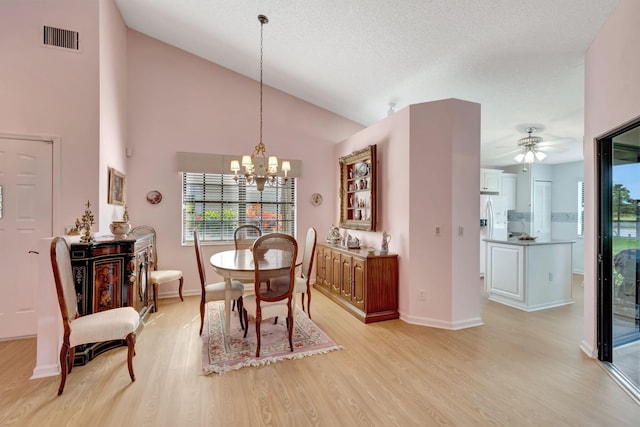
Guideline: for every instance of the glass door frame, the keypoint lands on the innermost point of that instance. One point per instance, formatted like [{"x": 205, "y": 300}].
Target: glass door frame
[{"x": 604, "y": 240}]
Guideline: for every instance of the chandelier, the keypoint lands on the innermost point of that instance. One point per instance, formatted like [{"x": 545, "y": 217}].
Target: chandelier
[
  {"x": 529, "y": 150},
  {"x": 258, "y": 167}
]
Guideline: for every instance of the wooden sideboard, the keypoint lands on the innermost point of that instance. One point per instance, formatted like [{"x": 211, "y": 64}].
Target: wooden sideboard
[
  {"x": 110, "y": 274},
  {"x": 365, "y": 285}
]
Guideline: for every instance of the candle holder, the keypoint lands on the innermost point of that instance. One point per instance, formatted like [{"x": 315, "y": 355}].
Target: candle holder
[{"x": 85, "y": 223}]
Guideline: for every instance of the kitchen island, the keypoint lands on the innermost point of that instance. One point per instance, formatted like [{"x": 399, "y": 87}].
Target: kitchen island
[{"x": 529, "y": 275}]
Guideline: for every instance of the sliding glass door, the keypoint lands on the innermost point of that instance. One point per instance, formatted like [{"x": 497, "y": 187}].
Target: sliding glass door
[{"x": 619, "y": 252}]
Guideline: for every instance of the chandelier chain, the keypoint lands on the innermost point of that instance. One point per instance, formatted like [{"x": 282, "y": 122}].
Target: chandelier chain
[{"x": 263, "y": 20}]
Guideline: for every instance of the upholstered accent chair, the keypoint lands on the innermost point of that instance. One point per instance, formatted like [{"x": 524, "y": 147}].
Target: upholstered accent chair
[
  {"x": 109, "y": 325},
  {"x": 303, "y": 287},
  {"x": 158, "y": 277}
]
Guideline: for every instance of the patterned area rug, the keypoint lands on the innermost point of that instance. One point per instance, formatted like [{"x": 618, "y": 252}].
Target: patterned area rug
[{"x": 220, "y": 355}]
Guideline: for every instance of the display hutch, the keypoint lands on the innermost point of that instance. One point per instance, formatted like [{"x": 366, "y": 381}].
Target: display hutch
[
  {"x": 363, "y": 282},
  {"x": 358, "y": 190}
]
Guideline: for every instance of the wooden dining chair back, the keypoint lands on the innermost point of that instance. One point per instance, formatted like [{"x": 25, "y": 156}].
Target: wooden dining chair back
[
  {"x": 274, "y": 300},
  {"x": 109, "y": 325},
  {"x": 214, "y": 291},
  {"x": 245, "y": 235},
  {"x": 157, "y": 276},
  {"x": 303, "y": 285}
]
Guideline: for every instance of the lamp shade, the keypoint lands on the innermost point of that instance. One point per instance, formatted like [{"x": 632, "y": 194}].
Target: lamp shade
[{"x": 529, "y": 157}]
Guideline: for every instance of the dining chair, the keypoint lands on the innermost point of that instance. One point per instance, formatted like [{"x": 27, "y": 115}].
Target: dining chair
[
  {"x": 275, "y": 300},
  {"x": 302, "y": 283},
  {"x": 214, "y": 291},
  {"x": 243, "y": 238},
  {"x": 245, "y": 235},
  {"x": 158, "y": 277},
  {"x": 109, "y": 325}
]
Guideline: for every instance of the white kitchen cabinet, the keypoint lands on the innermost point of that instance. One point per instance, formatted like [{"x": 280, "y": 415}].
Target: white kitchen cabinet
[
  {"x": 490, "y": 180},
  {"x": 508, "y": 191},
  {"x": 529, "y": 275}
]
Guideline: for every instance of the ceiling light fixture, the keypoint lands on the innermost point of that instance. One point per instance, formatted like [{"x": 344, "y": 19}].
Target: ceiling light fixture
[
  {"x": 259, "y": 167},
  {"x": 529, "y": 152}
]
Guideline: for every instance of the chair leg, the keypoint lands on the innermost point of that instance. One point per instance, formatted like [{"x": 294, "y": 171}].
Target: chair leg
[
  {"x": 131, "y": 344},
  {"x": 258, "y": 335},
  {"x": 72, "y": 358},
  {"x": 180, "y": 288},
  {"x": 302, "y": 298},
  {"x": 201, "y": 314},
  {"x": 309, "y": 303},
  {"x": 246, "y": 322},
  {"x": 233, "y": 306},
  {"x": 240, "y": 312},
  {"x": 290, "y": 327},
  {"x": 155, "y": 297},
  {"x": 64, "y": 353}
]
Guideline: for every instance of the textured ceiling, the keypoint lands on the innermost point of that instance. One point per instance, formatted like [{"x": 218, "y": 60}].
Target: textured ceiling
[{"x": 522, "y": 60}]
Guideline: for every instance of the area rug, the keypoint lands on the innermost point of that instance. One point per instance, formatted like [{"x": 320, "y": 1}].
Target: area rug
[{"x": 220, "y": 355}]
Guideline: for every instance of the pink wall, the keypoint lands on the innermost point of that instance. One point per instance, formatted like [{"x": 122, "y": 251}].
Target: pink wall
[
  {"x": 180, "y": 102},
  {"x": 428, "y": 164},
  {"x": 113, "y": 105},
  {"x": 612, "y": 98},
  {"x": 54, "y": 92}
]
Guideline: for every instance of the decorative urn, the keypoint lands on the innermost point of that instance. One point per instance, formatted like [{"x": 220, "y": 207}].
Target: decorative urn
[{"x": 120, "y": 229}]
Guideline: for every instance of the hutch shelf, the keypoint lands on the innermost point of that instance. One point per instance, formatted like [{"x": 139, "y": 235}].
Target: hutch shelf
[{"x": 358, "y": 190}]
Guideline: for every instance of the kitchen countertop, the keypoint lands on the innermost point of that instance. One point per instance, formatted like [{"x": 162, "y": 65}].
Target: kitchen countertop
[{"x": 515, "y": 241}]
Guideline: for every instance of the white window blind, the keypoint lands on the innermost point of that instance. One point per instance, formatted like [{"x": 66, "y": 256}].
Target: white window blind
[{"x": 215, "y": 205}]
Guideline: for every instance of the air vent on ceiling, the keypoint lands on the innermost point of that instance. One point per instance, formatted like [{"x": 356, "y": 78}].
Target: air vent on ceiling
[{"x": 61, "y": 38}]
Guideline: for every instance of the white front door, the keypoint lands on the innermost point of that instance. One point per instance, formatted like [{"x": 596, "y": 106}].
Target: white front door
[{"x": 26, "y": 217}]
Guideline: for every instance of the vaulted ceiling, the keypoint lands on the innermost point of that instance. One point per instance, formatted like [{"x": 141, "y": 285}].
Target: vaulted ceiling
[{"x": 522, "y": 60}]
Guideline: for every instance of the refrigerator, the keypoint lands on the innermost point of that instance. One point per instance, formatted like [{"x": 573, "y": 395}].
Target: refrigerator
[{"x": 493, "y": 223}]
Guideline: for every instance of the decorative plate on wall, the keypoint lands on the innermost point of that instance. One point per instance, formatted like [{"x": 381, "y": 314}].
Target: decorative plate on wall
[
  {"x": 316, "y": 199},
  {"x": 154, "y": 197}
]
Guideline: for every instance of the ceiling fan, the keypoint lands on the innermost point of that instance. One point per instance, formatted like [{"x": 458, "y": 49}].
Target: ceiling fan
[
  {"x": 529, "y": 151},
  {"x": 531, "y": 148}
]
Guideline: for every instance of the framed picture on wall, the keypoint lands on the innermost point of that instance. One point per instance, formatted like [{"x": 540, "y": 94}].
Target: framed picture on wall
[{"x": 117, "y": 187}]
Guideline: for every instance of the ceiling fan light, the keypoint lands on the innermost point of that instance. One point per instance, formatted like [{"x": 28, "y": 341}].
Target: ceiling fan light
[
  {"x": 529, "y": 157},
  {"x": 540, "y": 156},
  {"x": 519, "y": 157}
]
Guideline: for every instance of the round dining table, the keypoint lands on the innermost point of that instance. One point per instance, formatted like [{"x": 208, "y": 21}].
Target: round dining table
[{"x": 239, "y": 265}]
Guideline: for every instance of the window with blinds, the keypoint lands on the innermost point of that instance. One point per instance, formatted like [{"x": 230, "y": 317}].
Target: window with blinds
[
  {"x": 215, "y": 205},
  {"x": 580, "y": 208}
]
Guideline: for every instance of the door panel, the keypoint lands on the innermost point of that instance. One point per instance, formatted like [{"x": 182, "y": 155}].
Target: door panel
[
  {"x": 542, "y": 210},
  {"x": 25, "y": 177},
  {"x": 619, "y": 251},
  {"x": 358, "y": 283}
]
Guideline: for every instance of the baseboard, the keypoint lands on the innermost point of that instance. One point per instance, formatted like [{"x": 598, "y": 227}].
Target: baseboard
[
  {"x": 436, "y": 323},
  {"x": 588, "y": 350},
  {"x": 45, "y": 371}
]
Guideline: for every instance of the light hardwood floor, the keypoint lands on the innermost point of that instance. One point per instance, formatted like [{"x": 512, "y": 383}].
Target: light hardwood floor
[{"x": 518, "y": 369}]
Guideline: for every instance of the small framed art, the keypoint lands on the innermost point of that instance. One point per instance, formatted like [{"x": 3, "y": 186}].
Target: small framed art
[{"x": 117, "y": 187}]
